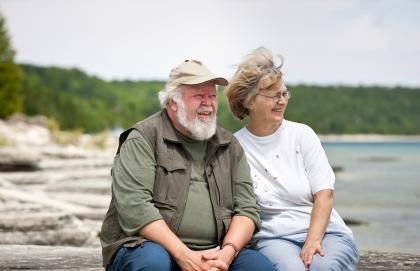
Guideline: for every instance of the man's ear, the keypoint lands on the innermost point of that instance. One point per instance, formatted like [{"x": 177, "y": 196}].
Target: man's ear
[{"x": 172, "y": 105}]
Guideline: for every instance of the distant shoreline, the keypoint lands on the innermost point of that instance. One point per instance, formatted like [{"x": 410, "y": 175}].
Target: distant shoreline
[{"x": 368, "y": 138}]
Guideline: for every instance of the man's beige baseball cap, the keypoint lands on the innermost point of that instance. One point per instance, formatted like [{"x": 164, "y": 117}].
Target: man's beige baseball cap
[{"x": 193, "y": 72}]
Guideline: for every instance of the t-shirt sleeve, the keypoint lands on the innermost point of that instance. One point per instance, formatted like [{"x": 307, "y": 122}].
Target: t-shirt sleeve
[
  {"x": 244, "y": 198},
  {"x": 133, "y": 180},
  {"x": 318, "y": 169}
]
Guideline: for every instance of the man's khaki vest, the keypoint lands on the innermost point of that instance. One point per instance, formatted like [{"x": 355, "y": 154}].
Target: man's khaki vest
[{"x": 172, "y": 181}]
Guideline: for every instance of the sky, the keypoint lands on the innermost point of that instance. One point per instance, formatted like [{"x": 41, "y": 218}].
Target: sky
[{"x": 326, "y": 42}]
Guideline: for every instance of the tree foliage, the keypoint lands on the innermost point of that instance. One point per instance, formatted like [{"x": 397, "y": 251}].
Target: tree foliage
[
  {"x": 362, "y": 109},
  {"x": 10, "y": 76},
  {"x": 76, "y": 100}
]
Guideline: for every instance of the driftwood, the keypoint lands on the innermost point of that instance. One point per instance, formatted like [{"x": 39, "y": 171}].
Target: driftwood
[{"x": 14, "y": 257}]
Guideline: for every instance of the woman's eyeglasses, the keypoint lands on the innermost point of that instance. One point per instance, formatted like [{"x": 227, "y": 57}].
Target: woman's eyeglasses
[{"x": 276, "y": 98}]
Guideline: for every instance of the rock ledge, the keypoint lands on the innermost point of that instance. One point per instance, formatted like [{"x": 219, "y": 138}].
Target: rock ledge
[{"x": 29, "y": 257}]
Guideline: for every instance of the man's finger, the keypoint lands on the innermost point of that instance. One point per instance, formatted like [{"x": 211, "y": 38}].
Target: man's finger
[
  {"x": 212, "y": 249},
  {"x": 217, "y": 264},
  {"x": 210, "y": 256}
]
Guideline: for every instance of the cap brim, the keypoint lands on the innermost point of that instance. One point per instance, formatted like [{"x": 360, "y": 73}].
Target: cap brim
[{"x": 195, "y": 80}]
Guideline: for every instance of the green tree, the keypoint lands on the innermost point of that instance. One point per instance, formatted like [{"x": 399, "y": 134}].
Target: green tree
[{"x": 10, "y": 76}]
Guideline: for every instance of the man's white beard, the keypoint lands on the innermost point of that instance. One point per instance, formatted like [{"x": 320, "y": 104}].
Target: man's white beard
[{"x": 199, "y": 130}]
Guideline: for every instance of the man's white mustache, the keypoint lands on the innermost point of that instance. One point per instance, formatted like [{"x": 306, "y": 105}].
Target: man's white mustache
[{"x": 205, "y": 110}]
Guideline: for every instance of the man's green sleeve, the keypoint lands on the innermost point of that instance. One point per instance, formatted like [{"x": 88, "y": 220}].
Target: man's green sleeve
[
  {"x": 245, "y": 202},
  {"x": 133, "y": 180}
]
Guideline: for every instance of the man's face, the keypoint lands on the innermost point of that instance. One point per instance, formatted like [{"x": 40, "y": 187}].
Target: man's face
[
  {"x": 196, "y": 112},
  {"x": 200, "y": 101}
]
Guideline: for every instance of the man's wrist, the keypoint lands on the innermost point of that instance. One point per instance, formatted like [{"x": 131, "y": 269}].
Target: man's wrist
[
  {"x": 233, "y": 248},
  {"x": 179, "y": 253}
]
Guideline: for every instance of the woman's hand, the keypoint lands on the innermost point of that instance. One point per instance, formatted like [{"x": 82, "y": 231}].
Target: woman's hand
[
  {"x": 308, "y": 251},
  {"x": 320, "y": 217}
]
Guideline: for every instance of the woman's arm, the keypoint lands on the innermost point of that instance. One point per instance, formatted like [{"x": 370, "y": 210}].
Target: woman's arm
[{"x": 320, "y": 217}]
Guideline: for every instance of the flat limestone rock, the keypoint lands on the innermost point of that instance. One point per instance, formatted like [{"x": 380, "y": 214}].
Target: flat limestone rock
[
  {"x": 15, "y": 257},
  {"x": 41, "y": 198},
  {"x": 18, "y": 159},
  {"x": 54, "y": 229},
  {"x": 376, "y": 260},
  {"x": 31, "y": 222}
]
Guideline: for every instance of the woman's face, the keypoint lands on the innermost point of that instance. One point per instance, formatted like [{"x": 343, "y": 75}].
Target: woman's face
[{"x": 269, "y": 105}]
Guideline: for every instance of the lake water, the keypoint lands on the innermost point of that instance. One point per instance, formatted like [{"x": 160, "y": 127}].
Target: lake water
[{"x": 379, "y": 185}]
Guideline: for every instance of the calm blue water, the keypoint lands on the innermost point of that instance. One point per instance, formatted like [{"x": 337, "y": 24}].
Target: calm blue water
[{"x": 380, "y": 186}]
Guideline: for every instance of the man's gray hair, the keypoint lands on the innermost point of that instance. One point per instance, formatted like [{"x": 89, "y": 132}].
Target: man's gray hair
[{"x": 170, "y": 92}]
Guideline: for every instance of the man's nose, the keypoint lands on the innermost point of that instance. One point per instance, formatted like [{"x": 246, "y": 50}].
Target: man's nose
[{"x": 206, "y": 100}]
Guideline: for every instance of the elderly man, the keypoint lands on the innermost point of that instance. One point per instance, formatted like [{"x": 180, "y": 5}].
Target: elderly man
[{"x": 182, "y": 197}]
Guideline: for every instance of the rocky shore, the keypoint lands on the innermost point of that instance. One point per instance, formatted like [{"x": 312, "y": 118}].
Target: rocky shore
[
  {"x": 52, "y": 193},
  {"x": 55, "y": 190}
]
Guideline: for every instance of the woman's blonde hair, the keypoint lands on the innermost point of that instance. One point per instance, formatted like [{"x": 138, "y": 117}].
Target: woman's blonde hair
[{"x": 257, "y": 72}]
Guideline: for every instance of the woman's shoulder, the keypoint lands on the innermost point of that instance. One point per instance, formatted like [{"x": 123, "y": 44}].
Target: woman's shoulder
[
  {"x": 298, "y": 127},
  {"x": 304, "y": 134},
  {"x": 241, "y": 133}
]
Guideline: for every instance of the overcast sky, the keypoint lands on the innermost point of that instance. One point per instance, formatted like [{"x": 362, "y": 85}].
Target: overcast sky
[{"x": 323, "y": 42}]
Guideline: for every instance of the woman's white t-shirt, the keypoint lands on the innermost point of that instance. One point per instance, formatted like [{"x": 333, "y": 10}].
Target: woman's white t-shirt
[{"x": 288, "y": 167}]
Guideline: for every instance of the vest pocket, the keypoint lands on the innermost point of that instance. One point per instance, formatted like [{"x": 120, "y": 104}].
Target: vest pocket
[{"x": 170, "y": 175}]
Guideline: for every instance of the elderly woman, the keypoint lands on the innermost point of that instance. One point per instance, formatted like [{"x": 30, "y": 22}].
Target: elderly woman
[{"x": 293, "y": 180}]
